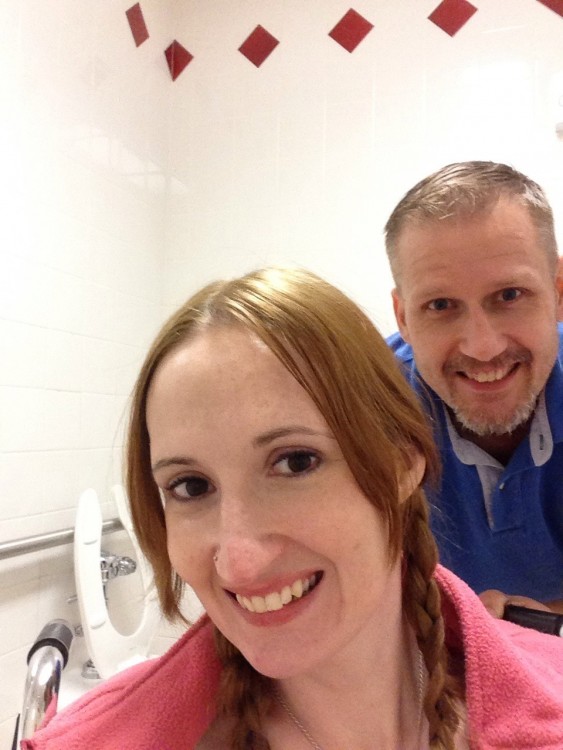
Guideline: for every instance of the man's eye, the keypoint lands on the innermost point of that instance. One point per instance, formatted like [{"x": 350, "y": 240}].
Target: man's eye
[
  {"x": 509, "y": 295},
  {"x": 296, "y": 462},
  {"x": 189, "y": 487},
  {"x": 439, "y": 304}
]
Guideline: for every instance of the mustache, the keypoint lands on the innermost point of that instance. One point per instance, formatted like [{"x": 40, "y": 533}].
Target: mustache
[{"x": 506, "y": 360}]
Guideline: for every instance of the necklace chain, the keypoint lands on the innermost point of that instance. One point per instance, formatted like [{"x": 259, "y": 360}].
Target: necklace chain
[
  {"x": 309, "y": 737},
  {"x": 304, "y": 731}
]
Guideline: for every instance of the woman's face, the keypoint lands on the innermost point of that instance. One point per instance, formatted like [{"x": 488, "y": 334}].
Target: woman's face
[{"x": 264, "y": 518}]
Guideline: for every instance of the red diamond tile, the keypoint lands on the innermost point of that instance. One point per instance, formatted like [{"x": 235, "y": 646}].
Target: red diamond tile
[
  {"x": 350, "y": 30},
  {"x": 258, "y": 46},
  {"x": 137, "y": 24},
  {"x": 451, "y": 15},
  {"x": 555, "y": 5},
  {"x": 177, "y": 58}
]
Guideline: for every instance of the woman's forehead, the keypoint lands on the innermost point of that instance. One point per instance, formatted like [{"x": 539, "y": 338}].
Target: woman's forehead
[{"x": 227, "y": 372}]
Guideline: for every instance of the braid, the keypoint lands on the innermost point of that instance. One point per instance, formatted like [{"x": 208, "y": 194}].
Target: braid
[
  {"x": 244, "y": 695},
  {"x": 421, "y": 601}
]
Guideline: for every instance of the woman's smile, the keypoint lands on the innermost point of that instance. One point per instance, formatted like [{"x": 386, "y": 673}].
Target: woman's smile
[{"x": 276, "y": 600}]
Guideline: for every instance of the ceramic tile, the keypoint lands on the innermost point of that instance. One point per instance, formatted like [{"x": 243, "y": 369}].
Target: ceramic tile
[
  {"x": 351, "y": 30},
  {"x": 38, "y": 420},
  {"x": 452, "y": 15},
  {"x": 137, "y": 24},
  {"x": 177, "y": 58},
  {"x": 258, "y": 45},
  {"x": 555, "y": 5}
]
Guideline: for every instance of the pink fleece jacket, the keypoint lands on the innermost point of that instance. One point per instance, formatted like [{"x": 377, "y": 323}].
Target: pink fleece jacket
[{"x": 514, "y": 689}]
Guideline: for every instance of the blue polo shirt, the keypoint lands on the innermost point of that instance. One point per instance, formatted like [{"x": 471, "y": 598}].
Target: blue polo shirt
[{"x": 500, "y": 527}]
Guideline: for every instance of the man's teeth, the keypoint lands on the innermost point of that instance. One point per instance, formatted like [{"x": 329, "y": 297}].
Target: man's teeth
[
  {"x": 489, "y": 377},
  {"x": 277, "y": 599}
]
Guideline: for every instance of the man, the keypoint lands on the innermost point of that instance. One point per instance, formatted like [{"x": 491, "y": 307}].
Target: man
[{"x": 479, "y": 290}]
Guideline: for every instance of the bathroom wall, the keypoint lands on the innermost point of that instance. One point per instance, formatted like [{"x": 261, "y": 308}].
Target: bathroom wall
[
  {"x": 124, "y": 190},
  {"x": 301, "y": 159},
  {"x": 83, "y": 152}
]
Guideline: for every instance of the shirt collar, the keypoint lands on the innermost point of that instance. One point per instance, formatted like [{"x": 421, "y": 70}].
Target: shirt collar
[{"x": 540, "y": 440}]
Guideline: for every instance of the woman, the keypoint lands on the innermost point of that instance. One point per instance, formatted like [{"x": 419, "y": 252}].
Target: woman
[{"x": 275, "y": 460}]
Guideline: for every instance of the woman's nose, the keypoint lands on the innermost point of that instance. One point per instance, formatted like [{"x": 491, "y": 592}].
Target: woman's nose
[{"x": 246, "y": 549}]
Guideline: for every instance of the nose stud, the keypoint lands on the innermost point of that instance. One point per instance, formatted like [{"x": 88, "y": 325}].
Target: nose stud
[{"x": 216, "y": 557}]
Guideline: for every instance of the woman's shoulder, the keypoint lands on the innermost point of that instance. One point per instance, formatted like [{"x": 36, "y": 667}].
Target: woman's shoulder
[
  {"x": 513, "y": 675},
  {"x": 160, "y": 703}
]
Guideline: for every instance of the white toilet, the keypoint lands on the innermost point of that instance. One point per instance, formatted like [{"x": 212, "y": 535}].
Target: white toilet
[{"x": 110, "y": 650}]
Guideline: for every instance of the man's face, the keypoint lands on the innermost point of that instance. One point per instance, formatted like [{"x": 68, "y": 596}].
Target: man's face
[{"x": 478, "y": 303}]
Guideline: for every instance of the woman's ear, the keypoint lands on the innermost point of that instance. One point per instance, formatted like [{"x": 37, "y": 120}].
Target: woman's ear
[{"x": 411, "y": 477}]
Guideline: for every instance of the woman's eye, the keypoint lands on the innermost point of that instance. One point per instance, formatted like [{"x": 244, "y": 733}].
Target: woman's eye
[
  {"x": 189, "y": 487},
  {"x": 296, "y": 462},
  {"x": 509, "y": 295}
]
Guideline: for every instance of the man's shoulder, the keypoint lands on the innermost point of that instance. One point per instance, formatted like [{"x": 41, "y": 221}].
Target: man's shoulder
[
  {"x": 560, "y": 353},
  {"x": 401, "y": 349},
  {"x": 554, "y": 392}
]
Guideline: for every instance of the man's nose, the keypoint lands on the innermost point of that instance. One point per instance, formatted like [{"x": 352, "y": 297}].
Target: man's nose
[{"x": 480, "y": 336}]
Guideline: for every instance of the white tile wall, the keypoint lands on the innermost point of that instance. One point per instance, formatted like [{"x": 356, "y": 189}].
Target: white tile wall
[
  {"x": 122, "y": 192},
  {"x": 84, "y": 139},
  {"x": 303, "y": 159}
]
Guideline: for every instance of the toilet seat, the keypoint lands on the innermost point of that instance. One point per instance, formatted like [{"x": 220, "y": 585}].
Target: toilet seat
[{"x": 110, "y": 650}]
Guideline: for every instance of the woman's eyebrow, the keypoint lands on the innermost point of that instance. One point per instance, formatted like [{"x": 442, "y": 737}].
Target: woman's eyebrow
[
  {"x": 173, "y": 461},
  {"x": 259, "y": 441},
  {"x": 280, "y": 432}
]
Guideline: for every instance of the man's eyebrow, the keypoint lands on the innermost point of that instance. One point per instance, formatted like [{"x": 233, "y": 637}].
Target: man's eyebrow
[
  {"x": 524, "y": 277},
  {"x": 280, "y": 432},
  {"x": 430, "y": 293},
  {"x": 519, "y": 279},
  {"x": 173, "y": 461}
]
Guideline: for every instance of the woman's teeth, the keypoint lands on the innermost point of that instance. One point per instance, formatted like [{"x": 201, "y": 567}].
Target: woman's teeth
[{"x": 278, "y": 599}]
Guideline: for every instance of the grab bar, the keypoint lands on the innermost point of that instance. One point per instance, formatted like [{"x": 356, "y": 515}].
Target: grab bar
[
  {"x": 46, "y": 660},
  {"x": 49, "y": 539}
]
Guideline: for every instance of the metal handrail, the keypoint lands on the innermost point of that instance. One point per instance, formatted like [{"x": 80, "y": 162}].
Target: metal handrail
[
  {"x": 50, "y": 539},
  {"x": 46, "y": 660}
]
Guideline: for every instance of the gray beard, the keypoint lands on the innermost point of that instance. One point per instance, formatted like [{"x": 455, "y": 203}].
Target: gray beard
[{"x": 485, "y": 429}]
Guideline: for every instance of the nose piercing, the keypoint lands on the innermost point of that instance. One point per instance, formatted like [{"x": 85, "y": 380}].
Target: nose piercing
[{"x": 216, "y": 557}]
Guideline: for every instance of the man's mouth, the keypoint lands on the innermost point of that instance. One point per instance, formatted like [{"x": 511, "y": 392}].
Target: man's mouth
[
  {"x": 276, "y": 600},
  {"x": 490, "y": 376}
]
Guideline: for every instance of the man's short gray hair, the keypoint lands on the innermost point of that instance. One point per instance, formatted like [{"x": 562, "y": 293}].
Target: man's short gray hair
[{"x": 463, "y": 189}]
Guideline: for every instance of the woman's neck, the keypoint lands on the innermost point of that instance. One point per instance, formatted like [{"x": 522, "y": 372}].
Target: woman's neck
[{"x": 363, "y": 700}]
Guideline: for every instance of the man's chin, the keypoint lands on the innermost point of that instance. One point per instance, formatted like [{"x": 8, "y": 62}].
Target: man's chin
[
  {"x": 486, "y": 425},
  {"x": 486, "y": 429}
]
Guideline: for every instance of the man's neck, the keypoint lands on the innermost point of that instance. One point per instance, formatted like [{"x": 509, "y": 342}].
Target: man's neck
[{"x": 500, "y": 447}]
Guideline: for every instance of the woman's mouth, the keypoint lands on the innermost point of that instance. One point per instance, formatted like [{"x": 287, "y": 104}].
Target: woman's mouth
[{"x": 276, "y": 600}]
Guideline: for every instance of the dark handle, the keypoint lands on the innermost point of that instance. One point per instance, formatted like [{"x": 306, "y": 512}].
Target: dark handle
[
  {"x": 545, "y": 622},
  {"x": 15, "y": 740},
  {"x": 57, "y": 633}
]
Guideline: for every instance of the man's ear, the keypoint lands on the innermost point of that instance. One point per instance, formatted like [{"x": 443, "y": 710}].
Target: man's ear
[
  {"x": 400, "y": 317},
  {"x": 411, "y": 477}
]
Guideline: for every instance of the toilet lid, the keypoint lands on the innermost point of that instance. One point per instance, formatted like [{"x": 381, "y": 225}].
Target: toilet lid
[{"x": 110, "y": 650}]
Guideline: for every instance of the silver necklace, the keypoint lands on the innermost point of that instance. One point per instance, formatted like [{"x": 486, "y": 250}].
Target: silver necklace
[
  {"x": 304, "y": 731},
  {"x": 309, "y": 737}
]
